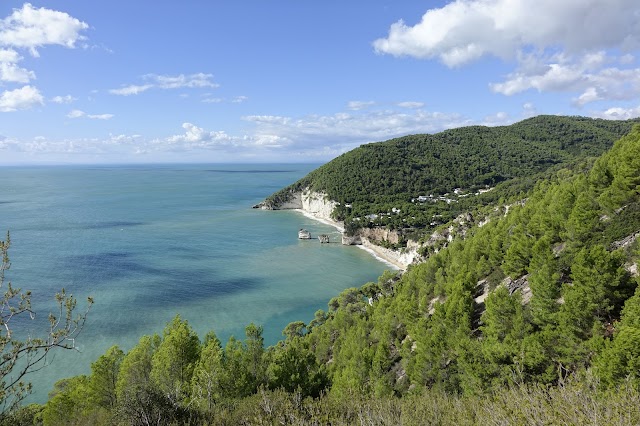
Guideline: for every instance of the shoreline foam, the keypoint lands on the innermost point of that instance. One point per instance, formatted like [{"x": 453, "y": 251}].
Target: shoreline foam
[
  {"x": 376, "y": 254},
  {"x": 321, "y": 219}
]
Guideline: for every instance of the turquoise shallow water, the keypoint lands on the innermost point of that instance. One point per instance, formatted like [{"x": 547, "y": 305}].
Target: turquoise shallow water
[{"x": 150, "y": 242}]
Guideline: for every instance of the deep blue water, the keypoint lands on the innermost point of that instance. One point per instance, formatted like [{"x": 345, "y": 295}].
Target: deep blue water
[{"x": 150, "y": 242}]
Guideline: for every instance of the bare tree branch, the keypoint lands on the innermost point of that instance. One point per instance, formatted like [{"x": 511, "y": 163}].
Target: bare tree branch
[{"x": 19, "y": 358}]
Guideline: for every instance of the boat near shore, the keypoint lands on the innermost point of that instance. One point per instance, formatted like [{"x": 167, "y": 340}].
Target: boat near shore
[{"x": 303, "y": 234}]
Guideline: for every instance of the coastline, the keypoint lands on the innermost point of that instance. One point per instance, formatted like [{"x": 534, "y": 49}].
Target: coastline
[
  {"x": 370, "y": 248},
  {"x": 326, "y": 221},
  {"x": 386, "y": 260}
]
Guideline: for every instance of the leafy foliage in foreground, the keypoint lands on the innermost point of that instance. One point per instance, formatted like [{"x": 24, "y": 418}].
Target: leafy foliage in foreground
[
  {"x": 532, "y": 318},
  {"x": 378, "y": 177},
  {"x": 20, "y": 355},
  {"x": 578, "y": 402}
]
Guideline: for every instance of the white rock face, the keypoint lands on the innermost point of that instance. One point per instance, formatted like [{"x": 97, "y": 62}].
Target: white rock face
[
  {"x": 319, "y": 206},
  {"x": 316, "y": 204},
  {"x": 402, "y": 259}
]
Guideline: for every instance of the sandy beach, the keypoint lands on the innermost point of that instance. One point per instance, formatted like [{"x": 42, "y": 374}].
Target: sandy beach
[
  {"x": 326, "y": 221},
  {"x": 373, "y": 250}
]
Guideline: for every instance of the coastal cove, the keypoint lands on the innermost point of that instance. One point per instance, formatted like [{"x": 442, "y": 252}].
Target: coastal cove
[
  {"x": 379, "y": 253},
  {"x": 150, "y": 242},
  {"x": 319, "y": 207}
]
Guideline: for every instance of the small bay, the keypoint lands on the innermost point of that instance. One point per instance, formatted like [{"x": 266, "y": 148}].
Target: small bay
[{"x": 150, "y": 242}]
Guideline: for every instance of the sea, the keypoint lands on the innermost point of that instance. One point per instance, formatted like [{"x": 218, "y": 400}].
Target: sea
[{"x": 149, "y": 242}]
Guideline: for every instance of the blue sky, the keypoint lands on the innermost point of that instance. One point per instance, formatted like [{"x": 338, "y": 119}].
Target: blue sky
[{"x": 291, "y": 81}]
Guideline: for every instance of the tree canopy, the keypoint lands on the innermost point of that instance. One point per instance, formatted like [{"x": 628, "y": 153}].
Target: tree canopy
[
  {"x": 541, "y": 301},
  {"x": 377, "y": 178}
]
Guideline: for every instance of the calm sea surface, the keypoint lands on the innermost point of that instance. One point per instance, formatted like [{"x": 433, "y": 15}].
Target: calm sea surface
[{"x": 150, "y": 242}]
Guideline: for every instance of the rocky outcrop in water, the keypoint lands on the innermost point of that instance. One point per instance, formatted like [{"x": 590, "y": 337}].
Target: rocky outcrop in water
[{"x": 319, "y": 206}]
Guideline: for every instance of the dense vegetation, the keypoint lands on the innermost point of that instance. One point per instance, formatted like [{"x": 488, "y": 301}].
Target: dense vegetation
[
  {"x": 378, "y": 177},
  {"x": 532, "y": 318}
]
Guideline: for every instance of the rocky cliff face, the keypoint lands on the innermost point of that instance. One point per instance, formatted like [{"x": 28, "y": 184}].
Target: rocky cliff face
[
  {"x": 314, "y": 203},
  {"x": 401, "y": 258},
  {"x": 371, "y": 239},
  {"x": 380, "y": 235},
  {"x": 317, "y": 204},
  {"x": 320, "y": 206}
]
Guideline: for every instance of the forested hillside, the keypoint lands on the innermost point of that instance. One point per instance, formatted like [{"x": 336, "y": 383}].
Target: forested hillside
[
  {"x": 532, "y": 318},
  {"x": 377, "y": 178}
]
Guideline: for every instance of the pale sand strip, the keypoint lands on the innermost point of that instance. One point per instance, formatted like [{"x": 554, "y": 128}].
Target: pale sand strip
[
  {"x": 371, "y": 249},
  {"x": 326, "y": 221}
]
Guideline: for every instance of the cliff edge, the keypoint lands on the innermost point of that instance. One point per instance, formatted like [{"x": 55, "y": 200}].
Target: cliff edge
[{"x": 318, "y": 206}]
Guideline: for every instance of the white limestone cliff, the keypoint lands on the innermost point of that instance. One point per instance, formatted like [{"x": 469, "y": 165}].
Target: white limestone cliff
[{"x": 317, "y": 205}]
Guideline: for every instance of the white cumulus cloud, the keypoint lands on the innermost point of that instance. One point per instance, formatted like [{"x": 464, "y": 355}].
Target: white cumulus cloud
[
  {"x": 9, "y": 56},
  {"x": 618, "y": 113},
  {"x": 180, "y": 81},
  {"x": 574, "y": 46},
  {"x": 212, "y": 100},
  {"x": 589, "y": 77},
  {"x": 67, "y": 99},
  {"x": 411, "y": 104},
  {"x": 11, "y": 72},
  {"x": 271, "y": 137},
  {"x": 544, "y": 77},
  {"x": 465, "y": 30},
  {"x": 123, "y": 139},
  {"x": 131, "y": 89},
  {"x": 76, "y": 113},
  {"x": 358, "y": 105},
  {"x": 497, "y": 119},
  {"x": 313, "y": 135},
  {"x": 198, "y": 80},
  {"x": 343, "y": 131},
  {"x": 30, "y": 28},
  {"x": 24, "y": 98},
  {"x": 529, "y": 110},
  {"x": 197, "y": 137},
  {"x": 100, "y": 116}
]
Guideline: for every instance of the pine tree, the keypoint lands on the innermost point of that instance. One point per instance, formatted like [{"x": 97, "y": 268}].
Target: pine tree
[
  {"x": 544, "y": 282},
  {"x": 621, "y": 358},
  {"x": 173, "y": 363},
  {"x": 206, "y": 387},
  {"x": 104, "y": 378},
  {"x": 253, "y": 359},
  {"x": 135, "y": 368}
]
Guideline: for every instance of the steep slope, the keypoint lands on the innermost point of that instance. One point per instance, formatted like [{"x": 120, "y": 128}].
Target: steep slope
[
  {"x": 533, "y": 317},
  {"x": 381, "y": 184},
  {"x": 545, "y": 291}
]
